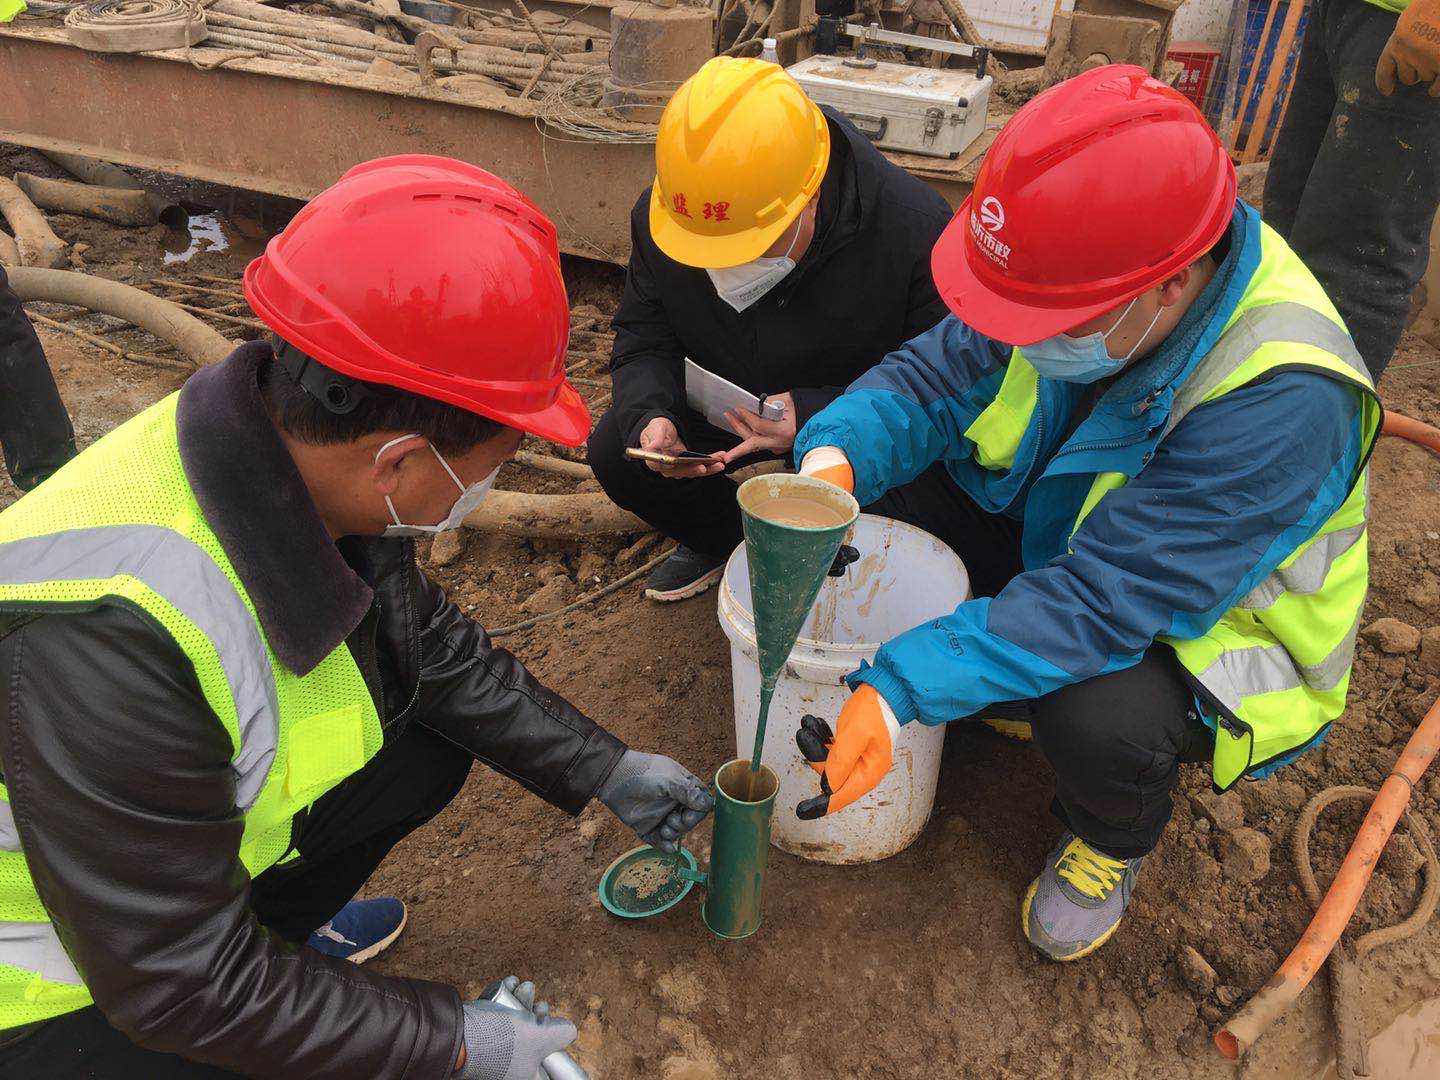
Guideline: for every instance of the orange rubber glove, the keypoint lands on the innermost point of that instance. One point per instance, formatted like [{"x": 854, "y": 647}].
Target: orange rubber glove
[
  {"x": 830, "y": 464},
  {"x": 853, "y": 760},
  {"x": 1412, "y": 55}
]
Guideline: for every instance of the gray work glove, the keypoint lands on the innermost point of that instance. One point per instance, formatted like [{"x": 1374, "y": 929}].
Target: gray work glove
[
  {"x": 660, "y": 799},
  {"x": 509, "y": 1044}
]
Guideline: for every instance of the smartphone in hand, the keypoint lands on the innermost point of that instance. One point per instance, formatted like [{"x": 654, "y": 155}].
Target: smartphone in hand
[{"x": 667, "y": 459}]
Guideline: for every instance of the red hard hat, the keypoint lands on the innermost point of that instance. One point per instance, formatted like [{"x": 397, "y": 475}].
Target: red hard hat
[
  {"x": 1096, "y": 190},
  {"x": 433, "y": 276}
]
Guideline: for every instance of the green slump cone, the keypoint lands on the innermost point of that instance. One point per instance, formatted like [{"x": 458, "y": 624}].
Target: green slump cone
[{"x": 788, "y": 564}]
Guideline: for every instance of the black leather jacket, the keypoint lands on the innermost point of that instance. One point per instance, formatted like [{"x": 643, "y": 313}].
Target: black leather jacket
[{"x": 120, "y": 783}]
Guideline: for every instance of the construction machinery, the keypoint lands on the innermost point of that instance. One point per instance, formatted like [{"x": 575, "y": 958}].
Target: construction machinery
[{"x": 559, "y": 97}]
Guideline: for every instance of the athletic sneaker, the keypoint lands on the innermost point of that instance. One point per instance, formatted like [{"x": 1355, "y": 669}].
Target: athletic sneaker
[
  {"x": 362, "y": 930},
  {"x": 1010, "y": 718},
  {"x": 1078, "y": 900},
  {"x": 684, "y": 574},
  {"x": 1019, "y": 730}
]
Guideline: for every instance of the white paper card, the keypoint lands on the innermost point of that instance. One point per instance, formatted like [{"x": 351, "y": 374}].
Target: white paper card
[{"x": 712, "y": 396}]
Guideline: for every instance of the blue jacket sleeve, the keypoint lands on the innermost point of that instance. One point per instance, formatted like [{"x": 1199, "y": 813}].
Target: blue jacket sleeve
[
  {"x": 1231, "y": 492},
  {"x": 902, "y": 415}
]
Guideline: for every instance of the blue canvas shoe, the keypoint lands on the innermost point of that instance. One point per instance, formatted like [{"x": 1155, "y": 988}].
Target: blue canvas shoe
[{"x": 363, "y": 929}]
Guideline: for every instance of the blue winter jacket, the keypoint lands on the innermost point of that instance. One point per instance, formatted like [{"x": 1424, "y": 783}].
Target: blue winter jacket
[{"x": 1209, "y": 512}]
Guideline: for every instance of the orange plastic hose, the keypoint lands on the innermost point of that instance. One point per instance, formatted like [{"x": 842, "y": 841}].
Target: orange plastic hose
[
  {"x": 1338, "y": 907},
  {"x": 1403, "y": 427}
]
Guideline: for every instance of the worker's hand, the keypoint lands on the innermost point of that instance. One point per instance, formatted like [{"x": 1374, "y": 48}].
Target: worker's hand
[
  {"x": 1412, "y": 55},
  {"x": 660, "y": 437},
  {"x": 509, "y": 1044},
  {"x": 660, "y": 799},
  {"x": 830, "y": 464},
  {"x": 759, "y": 435},
  {"x": 853, "y": 760}
]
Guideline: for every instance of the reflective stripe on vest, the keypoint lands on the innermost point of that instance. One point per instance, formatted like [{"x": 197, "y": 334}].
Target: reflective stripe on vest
[
  {"x": 1285, "y": 321},
  {"x": 174, "y": 568},
  {"x": 1307, "y": 573},
  {"x": 1285, "y": 657},
  {"x": 120, "y": 523},
  {"x": 1264, "y": 669},
  {"x": 36, "y": 947},
  {"x": 32, "y": 945}
]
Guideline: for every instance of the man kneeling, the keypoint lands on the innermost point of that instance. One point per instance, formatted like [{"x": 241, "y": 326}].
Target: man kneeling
[
  {"x": 1177, "y": 450},
  {"x": 228, "y": 690}
]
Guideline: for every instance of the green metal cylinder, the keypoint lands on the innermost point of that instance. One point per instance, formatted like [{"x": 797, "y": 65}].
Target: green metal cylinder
[{"x": 733, "y": 905}]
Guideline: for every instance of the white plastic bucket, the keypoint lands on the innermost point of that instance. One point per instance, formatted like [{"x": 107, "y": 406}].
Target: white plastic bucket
[{"x": 904, "y": 576}]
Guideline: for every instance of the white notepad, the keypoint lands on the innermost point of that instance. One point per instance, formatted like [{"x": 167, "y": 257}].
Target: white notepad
[{"x": 712, "y": 396}]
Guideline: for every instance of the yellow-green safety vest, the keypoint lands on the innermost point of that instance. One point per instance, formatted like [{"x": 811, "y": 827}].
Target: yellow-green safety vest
[
  {"x": 120, "y": 523},
  {"x": 1275, "y": 668}
]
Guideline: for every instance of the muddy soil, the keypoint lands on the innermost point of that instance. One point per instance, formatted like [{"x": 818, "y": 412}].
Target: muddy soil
[{"x": 912, "y": 967}]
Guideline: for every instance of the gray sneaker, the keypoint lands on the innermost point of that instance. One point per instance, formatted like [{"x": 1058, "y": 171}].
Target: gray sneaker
[
  {"x": 1078, "y": 900},
  {"x": 684, "y": 574}
]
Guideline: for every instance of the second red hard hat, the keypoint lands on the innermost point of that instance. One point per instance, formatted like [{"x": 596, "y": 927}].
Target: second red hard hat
[
  {"x": 1096, "y": 190},
  {"x": 433, "y": 276}
]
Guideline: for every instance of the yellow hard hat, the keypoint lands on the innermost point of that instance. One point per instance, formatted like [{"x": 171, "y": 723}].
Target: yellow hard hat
[{"x": 740, "y": 152}]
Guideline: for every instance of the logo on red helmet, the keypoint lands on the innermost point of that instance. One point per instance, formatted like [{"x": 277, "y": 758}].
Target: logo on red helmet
[
  {"x": 985, "y": 221},
  {"x": 992, "y": 214}
]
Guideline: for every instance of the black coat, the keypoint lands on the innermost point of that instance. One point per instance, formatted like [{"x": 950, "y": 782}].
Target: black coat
[
  {"x": 35, "y": 432},
  {"x": 136, "y": 813},
  {"x": 862, "y": 288}
]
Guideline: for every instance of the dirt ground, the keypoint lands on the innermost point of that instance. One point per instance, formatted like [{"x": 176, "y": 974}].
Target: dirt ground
[{"x": 912, "y": 967}]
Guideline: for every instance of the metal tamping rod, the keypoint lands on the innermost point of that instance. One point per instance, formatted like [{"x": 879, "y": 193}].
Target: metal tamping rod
[{"x": 559, "y": 1065}]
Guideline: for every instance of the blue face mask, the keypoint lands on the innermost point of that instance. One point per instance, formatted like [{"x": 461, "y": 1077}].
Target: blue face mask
[{"x": 1082, "y": 359}]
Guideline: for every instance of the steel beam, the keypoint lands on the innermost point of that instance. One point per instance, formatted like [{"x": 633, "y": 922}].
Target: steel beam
[{"x": 291, "y": 130}]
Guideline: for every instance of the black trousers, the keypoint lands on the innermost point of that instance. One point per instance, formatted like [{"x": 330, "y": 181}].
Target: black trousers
[
  {"x": 1355, "y": 177},
  {"x": 35, "y": 431},
  {"x": 704, "y": 516},
  {"x": 701, "y": 514},
  {"x": 341, "y": 841},
  {"x": 1116, "y": 741}
]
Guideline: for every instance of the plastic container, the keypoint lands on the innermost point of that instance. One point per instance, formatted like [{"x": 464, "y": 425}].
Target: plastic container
[
  {"x": 1198, "y": 63},
  {"x": 904, "y": 576}
]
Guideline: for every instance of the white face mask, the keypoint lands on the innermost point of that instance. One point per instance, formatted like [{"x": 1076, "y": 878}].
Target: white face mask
[
  {"x": 1083, "y": 359},
  {"x": 469, "y": 499},
  {"x": 740, "y": 286}
]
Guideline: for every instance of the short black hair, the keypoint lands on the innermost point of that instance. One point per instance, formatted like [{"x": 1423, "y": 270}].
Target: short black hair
[{"x": 297, "y": 412}]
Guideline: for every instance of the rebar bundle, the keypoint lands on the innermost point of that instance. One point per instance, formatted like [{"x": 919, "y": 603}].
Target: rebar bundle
[{"x": 291, "y": 36}]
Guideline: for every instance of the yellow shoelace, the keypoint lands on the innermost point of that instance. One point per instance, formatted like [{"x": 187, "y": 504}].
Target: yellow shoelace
[{"x": 1093, "y": 874}]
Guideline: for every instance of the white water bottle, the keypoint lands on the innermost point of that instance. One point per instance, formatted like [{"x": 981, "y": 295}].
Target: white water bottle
[{"x": 767, "y": 51}]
